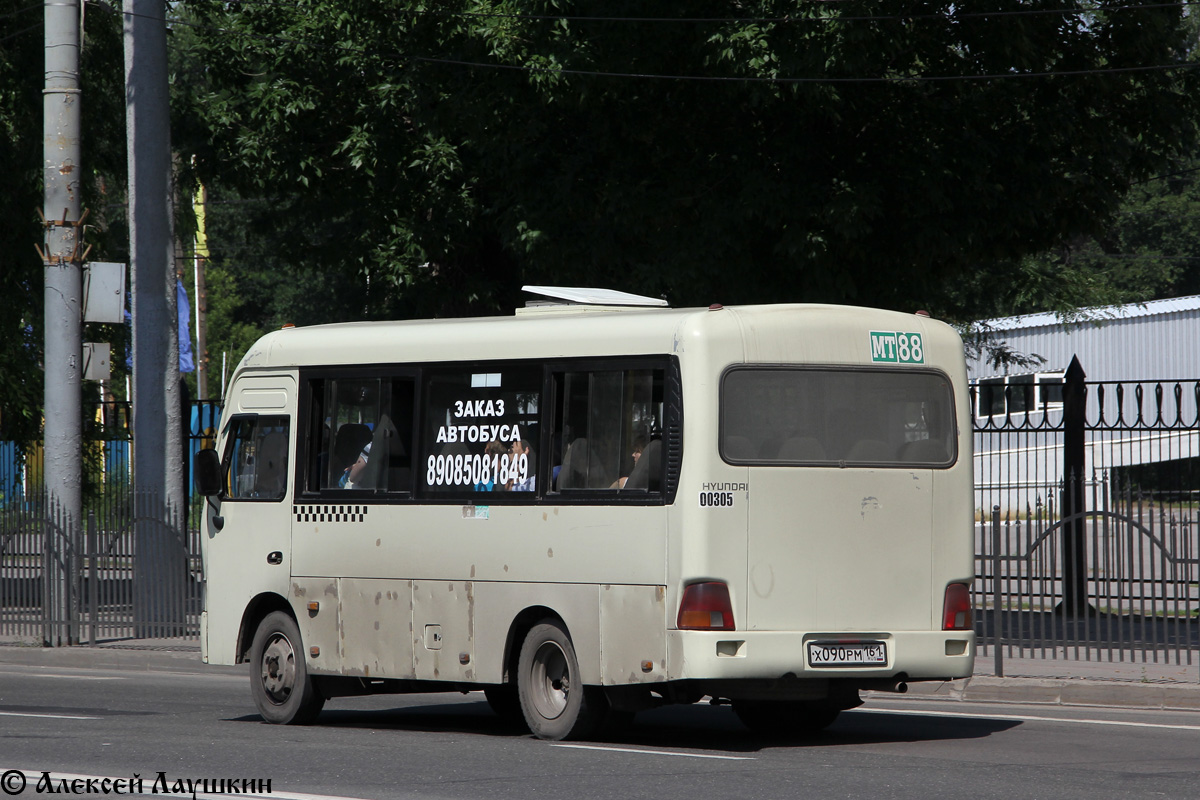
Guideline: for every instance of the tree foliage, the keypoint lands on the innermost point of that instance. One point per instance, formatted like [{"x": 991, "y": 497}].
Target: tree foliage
[
  {"x": 445, "y": 153},
  {"x": 1149, "y": 249}
]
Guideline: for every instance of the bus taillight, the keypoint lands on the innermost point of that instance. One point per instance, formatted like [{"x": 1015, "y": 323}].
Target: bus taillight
[
  {"x": 956, "y": 610},
  {"x": 705, "y": 607}
]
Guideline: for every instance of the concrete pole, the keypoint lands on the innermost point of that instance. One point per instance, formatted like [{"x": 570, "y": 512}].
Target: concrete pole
[
  {"x": 62, "y": 176},
  {"x": 157, "y": 429}
]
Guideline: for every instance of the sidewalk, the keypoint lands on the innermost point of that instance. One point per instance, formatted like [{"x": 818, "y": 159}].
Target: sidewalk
[
  {"x": 155, "y": 655},
  {"x": 1073, "y": 682},
  {"x": 1025, "y": 680}
]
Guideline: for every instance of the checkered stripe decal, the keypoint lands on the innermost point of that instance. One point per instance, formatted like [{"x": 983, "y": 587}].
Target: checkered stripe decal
[{"x": 330, "y": 513}]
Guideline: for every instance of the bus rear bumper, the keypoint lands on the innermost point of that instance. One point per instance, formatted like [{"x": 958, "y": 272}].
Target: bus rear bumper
[{"x": 770, "y": 655}]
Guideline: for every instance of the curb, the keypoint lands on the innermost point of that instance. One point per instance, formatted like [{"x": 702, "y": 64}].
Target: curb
[
  {"x": 165, "y": 657},
  {"x": 1166, "y": 696}
]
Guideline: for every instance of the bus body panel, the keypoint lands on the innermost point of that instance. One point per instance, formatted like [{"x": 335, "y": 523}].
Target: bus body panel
[
  {"x": 456, "y": 541},
  {"x": 375, "y": 628},
  {"x": 633, "y": 634},
  {"x": 443, "y": 642},
  {"x": 824, "y": 566},
  {"x": 707, "y": 543},
  {"x": 320, "y": 628}
]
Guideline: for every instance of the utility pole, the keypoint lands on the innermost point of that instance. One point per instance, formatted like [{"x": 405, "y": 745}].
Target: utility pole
[
  {"x": 62, "y": 178},
  {"x": 157, "y": 429}
]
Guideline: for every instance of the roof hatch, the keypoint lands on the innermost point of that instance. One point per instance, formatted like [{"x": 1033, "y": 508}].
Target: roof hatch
[{"x": 572, "y": 298}]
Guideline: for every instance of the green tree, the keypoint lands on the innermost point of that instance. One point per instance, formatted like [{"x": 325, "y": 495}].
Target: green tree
[
  {"x": 1149, "y": 249},
  {"x": 440, "y": 155}
]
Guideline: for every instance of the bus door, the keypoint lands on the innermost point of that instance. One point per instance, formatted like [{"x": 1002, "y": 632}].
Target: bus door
[{"x": 250, "y": 549}]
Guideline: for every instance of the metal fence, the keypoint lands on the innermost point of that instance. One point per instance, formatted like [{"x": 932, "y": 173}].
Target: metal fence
[
  {"x": 133, "y": 574},
  {"x": 128, "y": 569},
  {"x": 1088, "y": 522}
]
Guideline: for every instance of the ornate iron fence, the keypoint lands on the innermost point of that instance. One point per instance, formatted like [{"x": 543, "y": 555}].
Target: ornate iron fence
[{"x": 1088, "y": 522}]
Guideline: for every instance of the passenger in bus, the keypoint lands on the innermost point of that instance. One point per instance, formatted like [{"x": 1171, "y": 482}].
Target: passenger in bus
[
  {"x": 647, "y": 472},
  {"x": 353, "y": 473},
  {"x": 495, "y": 450},
  {"x": 639, "y": 444},
  {"x": 352, "y": 439},
  {"x": 522, "y": 448}
]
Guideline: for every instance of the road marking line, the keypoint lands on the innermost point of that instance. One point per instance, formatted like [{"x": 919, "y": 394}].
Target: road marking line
[
  {"x": 67, "y": 677},
  {"x": 149, "y": 783},
  {"x": 652, "y": 752},
  {"x": 1031, "y": 718},
  {"x": 43, "y": 716}
]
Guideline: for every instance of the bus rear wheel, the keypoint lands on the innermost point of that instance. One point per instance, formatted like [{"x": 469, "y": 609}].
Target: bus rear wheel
[
  {"x": 782, "y": 719},
  {"x": 554, "y": 701},
  {"x": 284, "y": 692}
]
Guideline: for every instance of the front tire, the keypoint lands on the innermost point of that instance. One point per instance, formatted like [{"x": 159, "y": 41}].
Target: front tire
[
  {"x": 284, "y": 692},
  {"x": 554, "y": 701}
]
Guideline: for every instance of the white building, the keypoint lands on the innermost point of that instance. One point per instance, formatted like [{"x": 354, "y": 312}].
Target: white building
[
  {"x": 1142, "y": 364},
  {"x": 1158, "y": 340}
]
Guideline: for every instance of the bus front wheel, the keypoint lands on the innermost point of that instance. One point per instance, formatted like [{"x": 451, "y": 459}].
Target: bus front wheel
[
  {"x": 554, "y": 701},
  {"x": 284, "y": 692}
]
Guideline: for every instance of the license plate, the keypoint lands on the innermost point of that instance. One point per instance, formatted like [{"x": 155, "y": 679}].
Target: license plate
[{"x": 847, "y": 654}]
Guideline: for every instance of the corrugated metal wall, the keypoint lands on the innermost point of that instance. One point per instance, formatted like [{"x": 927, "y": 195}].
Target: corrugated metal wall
[{"x": 1158, "y": 341}]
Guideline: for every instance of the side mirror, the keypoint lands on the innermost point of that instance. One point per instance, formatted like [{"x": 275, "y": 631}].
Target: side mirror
[{"x": 206, "y": 469}]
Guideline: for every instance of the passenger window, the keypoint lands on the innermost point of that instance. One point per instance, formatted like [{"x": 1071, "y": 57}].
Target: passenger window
[
  {"x": 256, "y": 458},
  {"x": 363, "y": 427},
  {"x": 608, "y": 431},
  {"x": 481, "y": 430}
]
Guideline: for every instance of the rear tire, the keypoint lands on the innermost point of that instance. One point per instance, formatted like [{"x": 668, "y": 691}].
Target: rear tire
[
  {"x": 554, "y": 701},
  {"x": 284, "y": 692},
  {"x": 785, "y": 719}
]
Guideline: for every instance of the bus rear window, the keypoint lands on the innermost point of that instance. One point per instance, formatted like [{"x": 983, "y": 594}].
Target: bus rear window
[{"x": 837, "y": 417}]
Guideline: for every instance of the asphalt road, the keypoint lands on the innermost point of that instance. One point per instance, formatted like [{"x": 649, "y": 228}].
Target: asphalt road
[{"x": 201, "y": 723}]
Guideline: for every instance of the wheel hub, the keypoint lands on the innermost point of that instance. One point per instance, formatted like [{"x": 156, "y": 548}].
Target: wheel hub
[
  {"x": 278, "y": 669},
  {"x": 551, "y": 681}
]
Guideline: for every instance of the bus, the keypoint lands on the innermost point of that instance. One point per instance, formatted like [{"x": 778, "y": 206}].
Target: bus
[{"x": 595, "y": 506}]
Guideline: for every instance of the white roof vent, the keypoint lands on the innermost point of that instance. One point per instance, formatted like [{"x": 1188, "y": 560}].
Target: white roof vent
[{"x": 570, "y": 298}]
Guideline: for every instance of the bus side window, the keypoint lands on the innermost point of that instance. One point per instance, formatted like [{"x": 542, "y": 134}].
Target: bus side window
[
  {"x": 361, "y": 435},
  {"x": 256, "y": 458},
  {"x": 480, "y": 430},
  {"x": 608, "y": 430}
]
